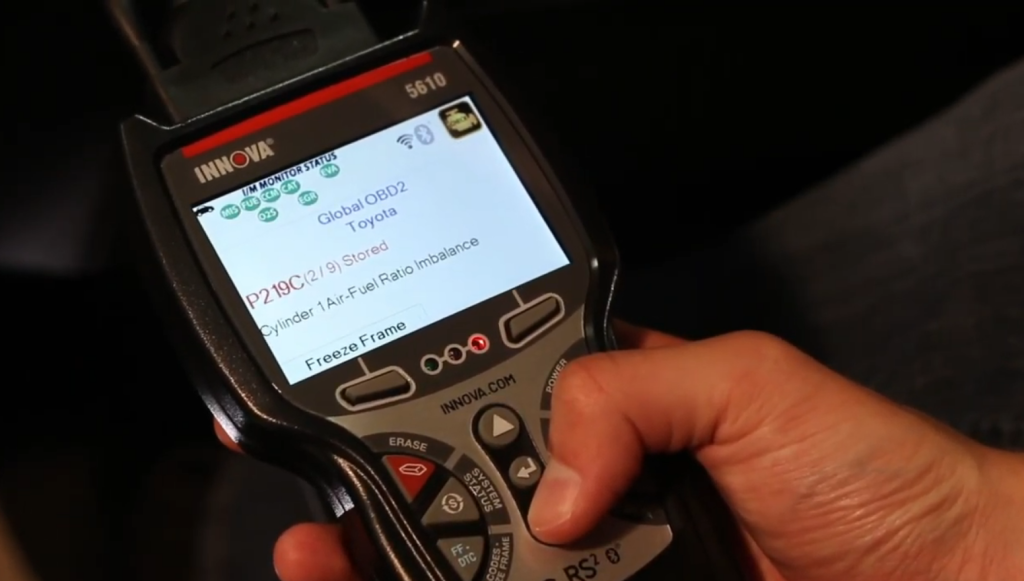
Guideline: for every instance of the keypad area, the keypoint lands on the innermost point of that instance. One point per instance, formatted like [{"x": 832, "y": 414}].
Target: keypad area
[
  {"x": 446, "y": 508},
  {"x": 458, "y": 506},
  {"x": 472, "y": 492}
]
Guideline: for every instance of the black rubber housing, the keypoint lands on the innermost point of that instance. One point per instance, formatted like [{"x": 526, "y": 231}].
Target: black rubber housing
[{"x": 341, "y": 467}]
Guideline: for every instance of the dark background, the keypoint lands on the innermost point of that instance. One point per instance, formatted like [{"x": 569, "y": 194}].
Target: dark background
[{"x": 686, "y": 121}]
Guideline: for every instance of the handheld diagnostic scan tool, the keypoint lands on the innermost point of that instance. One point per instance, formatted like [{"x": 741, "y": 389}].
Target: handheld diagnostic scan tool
[{"x": 382, "y": 279}]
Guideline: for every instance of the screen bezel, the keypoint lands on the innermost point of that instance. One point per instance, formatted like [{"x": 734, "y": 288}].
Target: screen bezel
[{"x": 351, "y": 118}]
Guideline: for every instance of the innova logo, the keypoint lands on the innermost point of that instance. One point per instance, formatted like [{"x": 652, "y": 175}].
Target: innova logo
[{"x": 226, "y": 164}]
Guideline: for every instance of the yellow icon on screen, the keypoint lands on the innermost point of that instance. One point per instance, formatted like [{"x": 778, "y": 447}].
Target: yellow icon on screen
[{"x": 460, "y": 120}]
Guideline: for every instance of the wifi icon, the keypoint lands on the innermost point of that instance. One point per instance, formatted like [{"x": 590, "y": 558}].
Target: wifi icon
[{"x": 405, "y": 140}]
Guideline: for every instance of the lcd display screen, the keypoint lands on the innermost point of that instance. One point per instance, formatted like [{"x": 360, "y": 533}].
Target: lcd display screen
[{"x": 367, "y": 243}]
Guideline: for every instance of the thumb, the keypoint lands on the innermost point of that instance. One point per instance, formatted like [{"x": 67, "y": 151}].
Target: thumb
[{"x": 610, "y": 409}]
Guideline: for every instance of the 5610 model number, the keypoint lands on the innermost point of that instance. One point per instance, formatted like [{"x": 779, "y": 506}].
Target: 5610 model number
[{"x": 425, "y": 85}]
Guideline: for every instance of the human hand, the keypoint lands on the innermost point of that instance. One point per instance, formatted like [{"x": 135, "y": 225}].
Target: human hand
[{"x": 828, "y": 480}]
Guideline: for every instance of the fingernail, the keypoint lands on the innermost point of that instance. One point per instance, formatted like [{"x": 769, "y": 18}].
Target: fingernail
[{"x": 555, "y": 499}]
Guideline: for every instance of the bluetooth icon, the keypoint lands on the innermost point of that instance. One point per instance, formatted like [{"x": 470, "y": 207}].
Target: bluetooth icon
[{"x": 424, "y": 135}]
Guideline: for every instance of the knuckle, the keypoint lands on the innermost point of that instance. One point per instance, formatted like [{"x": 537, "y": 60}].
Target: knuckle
[
  {"x": 574, "y": 382},
  {"x": 760, "y": 346},
  {"x": 765, "y": 357},
  {"x": 580, "y": 382}
]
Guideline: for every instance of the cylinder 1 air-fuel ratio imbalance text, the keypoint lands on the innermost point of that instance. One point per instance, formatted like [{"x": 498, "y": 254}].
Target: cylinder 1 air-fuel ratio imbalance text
[{"x": 377, "y": 279}]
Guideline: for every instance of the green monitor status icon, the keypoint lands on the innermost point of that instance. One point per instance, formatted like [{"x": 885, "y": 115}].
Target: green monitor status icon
[
  {"x": 290, "y": 187},
  {"x": 230, "y": 211},
  {"x": 308, "y": 198},
  {"x": 268, "y": 214},
  {"x": 250, "y": 203},
  {"x": 330, "y": 170}
]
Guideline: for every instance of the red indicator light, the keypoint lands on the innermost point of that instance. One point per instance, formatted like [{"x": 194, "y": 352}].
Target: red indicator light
[{"x": 478, "y": 343}]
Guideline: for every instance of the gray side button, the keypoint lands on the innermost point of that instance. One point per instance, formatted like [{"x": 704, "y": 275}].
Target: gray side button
[
  {"x": 465, "y": 554},
  {"x": 526, "y": 323},
  {"x": 386, "y": 385}
]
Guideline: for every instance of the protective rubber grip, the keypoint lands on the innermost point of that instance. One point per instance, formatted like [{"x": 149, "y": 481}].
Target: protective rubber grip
[{"x": 707, "y": 544}]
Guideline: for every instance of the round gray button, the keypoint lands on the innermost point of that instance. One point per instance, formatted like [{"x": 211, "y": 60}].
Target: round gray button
[
  {"x": 524, "y": 472},
  {"x": 498, "y": 427}
]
